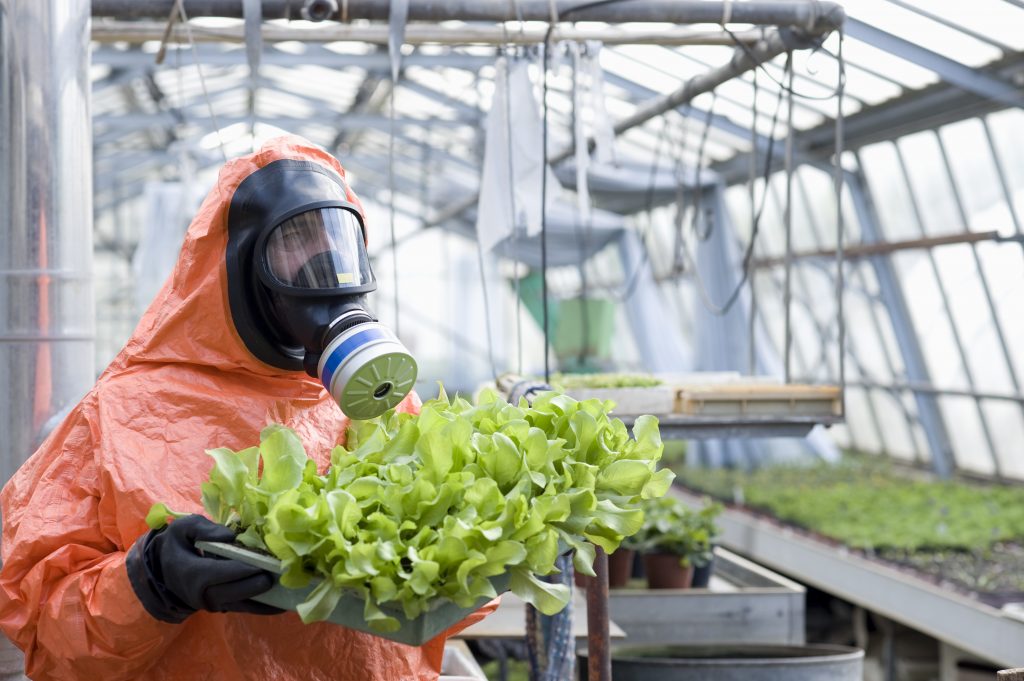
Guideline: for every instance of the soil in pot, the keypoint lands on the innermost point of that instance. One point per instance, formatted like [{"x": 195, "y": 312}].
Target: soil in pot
[{"x": 665, "y": 572}]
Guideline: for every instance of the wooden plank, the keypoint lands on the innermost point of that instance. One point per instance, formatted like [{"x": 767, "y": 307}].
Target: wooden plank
[{"x": 760, "y": 400}]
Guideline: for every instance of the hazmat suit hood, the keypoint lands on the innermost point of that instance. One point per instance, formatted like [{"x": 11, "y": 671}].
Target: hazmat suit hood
[
  {"x": 185, "y": 382},
  {"x": 191, "y": 320}
]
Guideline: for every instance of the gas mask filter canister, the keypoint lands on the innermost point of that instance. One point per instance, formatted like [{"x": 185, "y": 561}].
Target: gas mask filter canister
[{"x": 367, "y": 370}]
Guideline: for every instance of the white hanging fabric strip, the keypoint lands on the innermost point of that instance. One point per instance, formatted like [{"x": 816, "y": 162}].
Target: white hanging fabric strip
[
  {"x": 580, "y": 135},
  {"x": 604, "y": 133},
  {"x": 495, "y": 218}
]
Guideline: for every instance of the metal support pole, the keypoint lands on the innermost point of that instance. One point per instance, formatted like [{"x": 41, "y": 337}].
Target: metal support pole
[
  {"x": 787, "y": 296},
  {"x": 813, "y": 16},
  {"x": 599, "y": 659}
]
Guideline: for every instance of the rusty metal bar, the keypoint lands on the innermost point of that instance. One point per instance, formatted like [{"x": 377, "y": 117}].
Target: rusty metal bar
[
  {"x": 884, "y": 248},
  {"x": 599, "y": 660}
]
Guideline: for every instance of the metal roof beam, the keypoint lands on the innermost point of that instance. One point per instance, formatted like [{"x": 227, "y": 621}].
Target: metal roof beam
[
  {"x": 312, "y": 55},
  {"x": 143, "y": 121},
  {"x": 964, "y": 77},
  {"x": 934, "y": 106},
  {"x": 718, "y": 121}
]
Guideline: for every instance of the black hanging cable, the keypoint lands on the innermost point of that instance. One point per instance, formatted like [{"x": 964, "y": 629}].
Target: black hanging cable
[
  {"x": 391, "y": 203},
  {"x": 698, "y": 204},
  {"x": 546, "y": 57},
  {"x": 584, "y": 238},
  {"x": 720, "y": 310},
  {"x": 634, "y": 277},
  {"x": 781, "y": 84}
]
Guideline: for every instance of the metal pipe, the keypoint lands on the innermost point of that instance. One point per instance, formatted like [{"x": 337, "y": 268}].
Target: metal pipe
[
  {"x": 815, "y": 16},
  {"x": 742, "y": 61},
  {"x": 46, "y": 314},
  {"x": 111, "y": 31},
  {"x": 46, "y": 307},
  {"x": 787, "y": 293}
]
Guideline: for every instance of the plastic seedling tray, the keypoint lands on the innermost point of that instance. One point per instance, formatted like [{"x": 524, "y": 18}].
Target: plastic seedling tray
[{"x": 349, "y": 613}]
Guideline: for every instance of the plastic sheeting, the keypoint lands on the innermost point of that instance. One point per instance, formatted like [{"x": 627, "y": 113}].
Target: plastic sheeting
[
  {"x": 169, "y": 206},
  {"x": 510, "y": 184}
]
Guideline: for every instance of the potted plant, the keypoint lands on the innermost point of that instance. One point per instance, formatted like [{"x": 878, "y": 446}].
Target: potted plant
[
  {"x": 704, "y": 525},
  {"x": 675, "y": 540}
]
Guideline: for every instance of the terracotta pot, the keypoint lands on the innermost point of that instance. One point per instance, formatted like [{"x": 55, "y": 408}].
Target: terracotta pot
[
  {"x": 620, "y": 568},
  {"x": 665, "y": 572}
]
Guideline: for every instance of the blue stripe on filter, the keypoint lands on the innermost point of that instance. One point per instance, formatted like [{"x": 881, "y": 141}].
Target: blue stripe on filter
[{"x": 342, "y": 352}]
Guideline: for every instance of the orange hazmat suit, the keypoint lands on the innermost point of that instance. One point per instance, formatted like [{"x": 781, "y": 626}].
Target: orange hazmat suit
[{"x": 184, "y": 382}]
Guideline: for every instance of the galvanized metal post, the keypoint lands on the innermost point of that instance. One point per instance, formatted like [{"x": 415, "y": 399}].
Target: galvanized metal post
[{"x": 46, "y": 307}]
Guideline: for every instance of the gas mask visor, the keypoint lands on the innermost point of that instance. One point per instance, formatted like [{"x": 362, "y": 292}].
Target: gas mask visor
[{"x": 317, "y": 259}]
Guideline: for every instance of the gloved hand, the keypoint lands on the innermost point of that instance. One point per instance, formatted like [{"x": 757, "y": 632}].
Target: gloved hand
[{"x": 173, "y": 579}]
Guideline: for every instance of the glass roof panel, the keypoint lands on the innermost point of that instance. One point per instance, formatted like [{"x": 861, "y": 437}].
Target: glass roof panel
[
  {"x": 923, "y": 31},
  {"x": 996, "y": 19}
]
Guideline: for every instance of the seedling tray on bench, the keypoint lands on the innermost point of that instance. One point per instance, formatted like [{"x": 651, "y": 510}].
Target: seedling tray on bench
[{"x": 349, "y": 611}]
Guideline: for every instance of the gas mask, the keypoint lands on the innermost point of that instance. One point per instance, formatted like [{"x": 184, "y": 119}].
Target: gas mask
[{"x": 298, "y": 276}]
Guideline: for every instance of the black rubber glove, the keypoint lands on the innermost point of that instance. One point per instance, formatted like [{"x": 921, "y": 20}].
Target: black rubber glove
[{"x": 173, "y": 579}]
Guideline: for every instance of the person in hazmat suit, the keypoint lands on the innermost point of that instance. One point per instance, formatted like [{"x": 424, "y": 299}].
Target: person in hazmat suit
[{"x": 273, "y": 268}]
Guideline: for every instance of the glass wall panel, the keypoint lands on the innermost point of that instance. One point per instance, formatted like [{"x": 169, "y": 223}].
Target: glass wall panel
[
  {"x": 859, "y": 422},
  {"x": 889, "y": 192},
  {"x": 928, "y": 312},
  {"x": 1004, "y": 268},
  {"x": 966, "y": 434},
  {"x": 893, "y": 422},
  {"x": 973, "y": 318},
  {"x": 975, "y": 176},
  {"x": 929, "y": 184},
  {"x": 1007, "y": 427}
]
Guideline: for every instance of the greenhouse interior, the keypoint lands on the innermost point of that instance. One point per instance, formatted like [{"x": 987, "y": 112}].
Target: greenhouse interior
[{"x": 512, "y": 339}]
